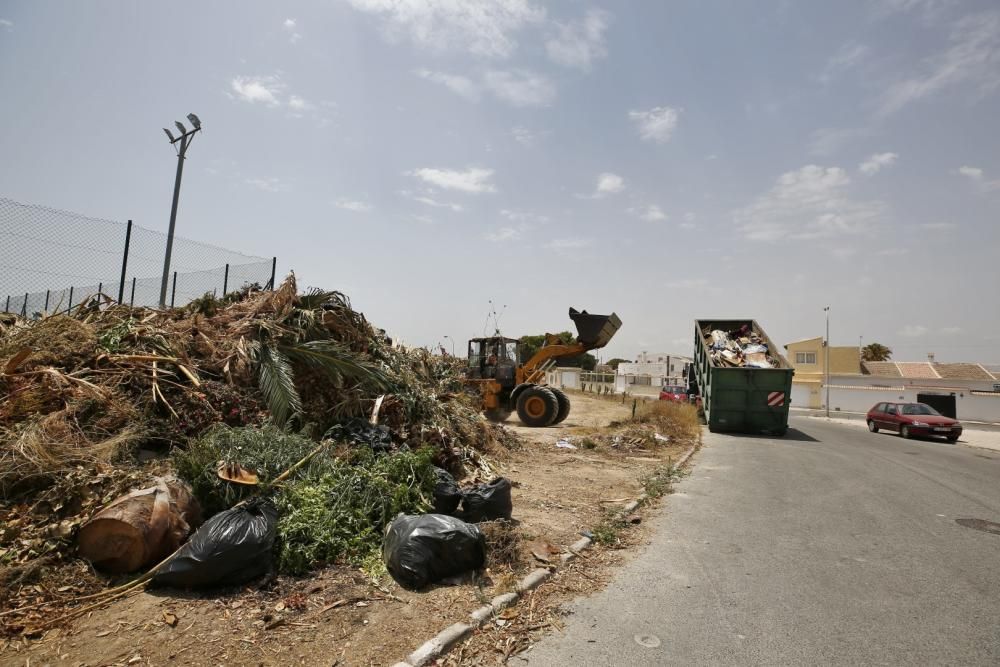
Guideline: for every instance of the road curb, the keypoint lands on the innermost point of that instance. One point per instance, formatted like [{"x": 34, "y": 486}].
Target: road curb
[{"x": 440, "y": 643}]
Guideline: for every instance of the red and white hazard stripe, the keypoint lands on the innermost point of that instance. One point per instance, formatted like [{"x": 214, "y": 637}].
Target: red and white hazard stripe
[{"x": 776, "y": 398}]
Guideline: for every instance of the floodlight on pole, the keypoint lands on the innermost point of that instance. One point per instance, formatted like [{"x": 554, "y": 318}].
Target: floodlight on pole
[{"x": 181, "y": 143}]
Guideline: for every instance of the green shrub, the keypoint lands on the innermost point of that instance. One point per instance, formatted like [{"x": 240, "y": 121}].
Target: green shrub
[{"x": 343, "y": 513}]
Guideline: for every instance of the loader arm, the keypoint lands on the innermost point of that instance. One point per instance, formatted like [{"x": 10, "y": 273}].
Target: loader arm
[{"x": 532, "y": 370}]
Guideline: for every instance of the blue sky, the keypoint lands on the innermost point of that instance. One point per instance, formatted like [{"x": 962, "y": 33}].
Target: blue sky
[{"x": 666, "y": 160}]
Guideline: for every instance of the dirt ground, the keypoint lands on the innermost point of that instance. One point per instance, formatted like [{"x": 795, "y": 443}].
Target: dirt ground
[{"x": 338, "y": 616}]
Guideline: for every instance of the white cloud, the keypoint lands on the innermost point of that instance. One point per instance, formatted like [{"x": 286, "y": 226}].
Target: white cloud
[
  {"x": 607, "y": 184},
  {"x": 460, "y": 85},
  {"x": 503, "y": 234},
  {"x": 972, "y": 58},
  {"x": 579, "y": 43},
  {"x": 827, "y": 141},
  {"x": 689, "y": 221},
  {"x": 913, "y": 330},
  {"x": 651, "y": 213},
  {"x": 656, "y": 124},
  {"x": 8, "y": 25},
  {"x": 351, "y": 205},
  {"x": 848, "y": 57},
  {"x": 268, "y": 184},
  {"x": 520, "y": 88},
  {"x": 472, "y": 180},
  {"x": 951, "y": 331},
  {"x": 481, "y": 27},
  {"x": 843, "y": 253},
  {"x": 437, "y": 204},
  {"x": 296, "y": 103},
  {"x": 928, "y": 9},
  {"x": 975, "y": 173},
  {"x": 524, "y": 217},
  {"x": 877, "y": 162},
  {"x": 938, "y": 226},
  {"x": 423, "y": 219},
  {"x": 524, "y": 136},
  {"x": 811, "y": 202},
  {"x": 254, "y": 89},
  {"x": 289, "y": 25},
  {"x": 568, "y": 244},
  {"x": 689, "y": 284}
]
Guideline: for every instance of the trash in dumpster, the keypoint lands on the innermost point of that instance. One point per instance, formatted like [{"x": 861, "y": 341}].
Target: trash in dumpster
[
  {"x": 447, "y": 495},
  {"x": 419, "y": 550},
  {"x": 741, "y": 348},
  {"x": 485, "y": 502},
  {"x": 230, "y": 548}
]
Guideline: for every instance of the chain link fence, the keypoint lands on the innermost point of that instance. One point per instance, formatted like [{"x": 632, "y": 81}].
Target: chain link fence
[{"x": 51, "y": 260}]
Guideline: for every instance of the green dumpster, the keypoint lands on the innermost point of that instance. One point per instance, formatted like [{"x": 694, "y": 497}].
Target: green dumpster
[{"x": 741, "y": 399}]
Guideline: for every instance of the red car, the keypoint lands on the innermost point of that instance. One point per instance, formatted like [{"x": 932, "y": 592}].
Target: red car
[
  {"x": 674, "y": 392},
  {"x": 910, "y": 419}
]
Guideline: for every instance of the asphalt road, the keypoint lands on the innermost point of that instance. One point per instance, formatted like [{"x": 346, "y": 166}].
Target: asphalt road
[{"x": 830, "y": 546}]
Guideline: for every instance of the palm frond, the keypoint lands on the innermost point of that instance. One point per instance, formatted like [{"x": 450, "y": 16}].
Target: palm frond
[
  {"x": 315, "y": 298},
  {"x": 277, "y": 382},
  {"x": 338, "y": 362}
]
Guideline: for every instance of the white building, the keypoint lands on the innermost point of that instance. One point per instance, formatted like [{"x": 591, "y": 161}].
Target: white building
[{"x": 654, "y": 370}]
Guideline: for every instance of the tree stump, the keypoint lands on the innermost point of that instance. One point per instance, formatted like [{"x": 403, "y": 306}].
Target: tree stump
[{"x": 140, "y": 528}]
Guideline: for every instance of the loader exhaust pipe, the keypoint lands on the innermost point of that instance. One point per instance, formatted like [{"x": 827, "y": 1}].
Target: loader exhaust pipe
[{"x": 594, "y": 331}]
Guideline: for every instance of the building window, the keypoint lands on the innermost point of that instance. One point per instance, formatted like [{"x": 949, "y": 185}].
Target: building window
[{"x": 805, "y": 357}]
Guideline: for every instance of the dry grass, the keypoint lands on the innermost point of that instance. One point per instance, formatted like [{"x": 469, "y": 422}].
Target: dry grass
[
  {"x": 503, "y": 542},
  {"x": 677, "y": 419}
]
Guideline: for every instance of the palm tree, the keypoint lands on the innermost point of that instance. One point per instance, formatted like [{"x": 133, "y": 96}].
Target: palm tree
[{"x": 875, "y": 352}]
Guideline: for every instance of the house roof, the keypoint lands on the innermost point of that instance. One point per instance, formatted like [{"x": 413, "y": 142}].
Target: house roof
[
  {"x": 925, "y": 370},
  {"x": 804, "y": 340}
]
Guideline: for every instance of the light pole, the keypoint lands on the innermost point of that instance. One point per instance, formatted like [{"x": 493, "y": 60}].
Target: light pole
[
  {"x": 452, "y": 345},
  {"x": 184, "y": 140},
  {"x": 827, "y": 362}
]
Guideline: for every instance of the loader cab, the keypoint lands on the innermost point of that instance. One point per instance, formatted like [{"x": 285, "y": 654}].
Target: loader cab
[{"x": 494, "y": 358}]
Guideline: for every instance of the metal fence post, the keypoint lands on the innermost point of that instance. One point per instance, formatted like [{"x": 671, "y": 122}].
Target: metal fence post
[
  {"x": 70, "y": 307},
  {"x": 274, "y": 266},
  {"x": 6, "y": 308},
  {"x": 131, "y": 300},
  {"x": 100, "y": 288},
  {"x": 173, "y": 291},
  {"x": 47, "y": 292},
  {"x": 24, "y": 306},
  {"x": 128, "y": 240},
  {"x": 225, "y": 282}
]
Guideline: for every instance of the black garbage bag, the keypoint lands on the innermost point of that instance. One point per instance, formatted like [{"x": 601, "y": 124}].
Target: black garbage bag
[
  {"x": 486, "y": 502},
  {"x": 447, "y": 495},
  {"x": 419, "y": 550},
  {"x": 230, "y": 548},
  {"x": 361, "y": 432}
]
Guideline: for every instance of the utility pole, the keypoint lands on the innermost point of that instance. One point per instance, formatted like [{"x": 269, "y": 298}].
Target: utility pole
[
  {"x": 181, "y": 144},
  {"x": 827, "y": 363}
]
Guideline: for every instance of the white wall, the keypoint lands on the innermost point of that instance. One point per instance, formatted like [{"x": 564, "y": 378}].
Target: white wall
[{"x": 856, "y": 394}]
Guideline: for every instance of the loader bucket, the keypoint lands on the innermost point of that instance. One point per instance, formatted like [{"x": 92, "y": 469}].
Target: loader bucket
[{"x": 594, "y": 331}]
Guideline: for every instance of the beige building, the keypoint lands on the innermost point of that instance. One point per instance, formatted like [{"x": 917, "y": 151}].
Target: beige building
[{"x": 808, "y": 358}]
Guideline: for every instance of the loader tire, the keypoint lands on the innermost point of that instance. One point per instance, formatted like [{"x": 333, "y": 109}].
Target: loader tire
[
  {"x": 563, "y": 405},
  {"x": 497, "y": 414},
  {"x": 537, "y": 406}
]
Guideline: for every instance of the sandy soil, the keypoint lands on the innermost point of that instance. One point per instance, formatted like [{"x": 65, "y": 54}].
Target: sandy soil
[{"x": 338, "y": 616}]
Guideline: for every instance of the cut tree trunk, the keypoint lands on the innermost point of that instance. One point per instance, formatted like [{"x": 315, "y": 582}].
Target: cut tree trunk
[{"x": 141, "y": 527}]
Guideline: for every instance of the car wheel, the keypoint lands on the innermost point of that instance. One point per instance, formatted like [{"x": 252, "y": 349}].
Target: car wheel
[
  {"x": 952, "y": 439},
  {"x": 904, "y": 431},
  {"x": 872, "y": 426}
]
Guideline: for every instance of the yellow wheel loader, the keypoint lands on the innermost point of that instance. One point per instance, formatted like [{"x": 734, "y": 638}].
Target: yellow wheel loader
[{"x": 505, "y": 384}]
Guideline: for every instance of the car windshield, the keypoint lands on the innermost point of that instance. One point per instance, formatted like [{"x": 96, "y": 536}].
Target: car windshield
[
  {"x": 919, "y": 409},
  {"x": 673, "y": 389}
]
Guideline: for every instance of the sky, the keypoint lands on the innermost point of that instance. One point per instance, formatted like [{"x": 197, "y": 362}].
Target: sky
[{"x": 439, "y": 159}]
